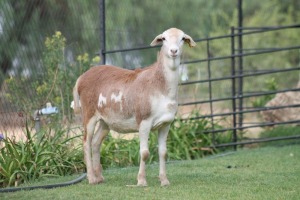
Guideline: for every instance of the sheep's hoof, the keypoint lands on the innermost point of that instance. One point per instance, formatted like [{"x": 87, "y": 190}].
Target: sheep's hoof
[
  {"x": 164, "y": 183},
  {"x": 142, "y": 183},
  {"x": 96, "y": 180},
  {"x": 163, "y": 180}
]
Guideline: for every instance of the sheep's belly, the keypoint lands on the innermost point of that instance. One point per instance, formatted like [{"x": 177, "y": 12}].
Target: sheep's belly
[
  {"x": 122, "y": 125},
  {"x": 163, "y": 111}
]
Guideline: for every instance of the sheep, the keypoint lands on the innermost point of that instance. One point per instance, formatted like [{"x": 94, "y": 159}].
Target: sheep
[{"x": 127, "y": 101}]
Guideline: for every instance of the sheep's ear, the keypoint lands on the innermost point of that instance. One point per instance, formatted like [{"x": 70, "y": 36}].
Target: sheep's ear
[
  {"x": 188, "y": 39},
  {"x": 158, "y": 40}
]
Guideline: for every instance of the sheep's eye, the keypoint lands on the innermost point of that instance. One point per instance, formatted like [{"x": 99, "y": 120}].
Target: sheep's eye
[
  {"x": 163, "y": 38},
  {"x": 183, "y": 38}
]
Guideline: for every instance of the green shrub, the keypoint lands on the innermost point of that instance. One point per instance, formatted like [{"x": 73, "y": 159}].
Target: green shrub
[
  {"x": 53, "y": 82},
  {"x": 46, "y": 153}
]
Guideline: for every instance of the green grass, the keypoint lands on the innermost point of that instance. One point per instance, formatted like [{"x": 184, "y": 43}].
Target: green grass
[{"x": 262, "y": 173}]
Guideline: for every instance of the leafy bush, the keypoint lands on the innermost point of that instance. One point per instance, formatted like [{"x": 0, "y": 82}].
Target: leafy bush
[
  {"x": 49, "y": 153},
  {"x": 52, "y": 82}
]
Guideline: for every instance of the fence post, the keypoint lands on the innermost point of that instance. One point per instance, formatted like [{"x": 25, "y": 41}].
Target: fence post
[
  {"x": 240, "y": 61},
  {"x": 234, "y": 134},
  {"x": 102, "y": 31},
  {"x": 210, "y": 90}
]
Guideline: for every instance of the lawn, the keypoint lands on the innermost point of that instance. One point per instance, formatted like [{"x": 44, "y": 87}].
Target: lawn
[{"x": 261, "y": 173}]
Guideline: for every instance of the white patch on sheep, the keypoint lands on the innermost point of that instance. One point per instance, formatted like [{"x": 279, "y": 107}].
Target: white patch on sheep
[
  {"x": 101, "y": 101},
  {"x": 117, "y": 99}
]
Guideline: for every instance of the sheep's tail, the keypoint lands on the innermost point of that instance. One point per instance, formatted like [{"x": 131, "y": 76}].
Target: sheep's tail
[{"x": 76, "y": 103}]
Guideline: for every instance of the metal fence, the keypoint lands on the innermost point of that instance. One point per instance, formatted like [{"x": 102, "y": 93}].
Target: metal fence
[
  {"x": 238, "y": 95},
  {"x": 240, "y": 108}
]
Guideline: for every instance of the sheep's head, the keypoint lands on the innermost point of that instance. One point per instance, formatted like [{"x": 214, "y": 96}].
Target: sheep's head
[{"x": 172, "y": 41}]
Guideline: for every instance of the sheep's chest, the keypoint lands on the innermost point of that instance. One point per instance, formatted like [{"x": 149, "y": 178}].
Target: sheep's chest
[{"x": 163, "y": 110}]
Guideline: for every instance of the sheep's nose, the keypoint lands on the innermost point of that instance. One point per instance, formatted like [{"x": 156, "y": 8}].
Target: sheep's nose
[{"x": 174, "y": 51}]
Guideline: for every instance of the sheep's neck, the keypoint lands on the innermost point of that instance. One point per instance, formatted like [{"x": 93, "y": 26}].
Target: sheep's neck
[{"x": 169, "y": 69}]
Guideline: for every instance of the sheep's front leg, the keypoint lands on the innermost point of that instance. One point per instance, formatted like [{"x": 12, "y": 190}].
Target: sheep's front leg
[
  {"x": 162, "y": 148},
  {"x": 99, "y": 136},
  {"x": 144, "y": 152}
]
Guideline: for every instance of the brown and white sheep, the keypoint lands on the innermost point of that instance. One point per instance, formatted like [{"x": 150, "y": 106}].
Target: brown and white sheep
[{"x": 131, "y": 100}]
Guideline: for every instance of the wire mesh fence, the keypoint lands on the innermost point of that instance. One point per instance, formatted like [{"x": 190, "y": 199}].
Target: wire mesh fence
[{"x": 28, "y": 64}]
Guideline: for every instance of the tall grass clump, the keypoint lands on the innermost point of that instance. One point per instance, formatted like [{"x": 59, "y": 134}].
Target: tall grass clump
[{"x": 43, "y": 154}]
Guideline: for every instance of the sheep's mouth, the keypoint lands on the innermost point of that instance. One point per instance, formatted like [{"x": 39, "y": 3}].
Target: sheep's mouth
[{"x": 174, "y": 55}]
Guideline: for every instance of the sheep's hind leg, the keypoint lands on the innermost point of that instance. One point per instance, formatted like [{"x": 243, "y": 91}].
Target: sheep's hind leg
[
  {"x": 87, "y": 145},
  {"x": 144, "y": 152},
  {"x": 162, "y": 148},
  {"x": 99, "y": 136}
]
